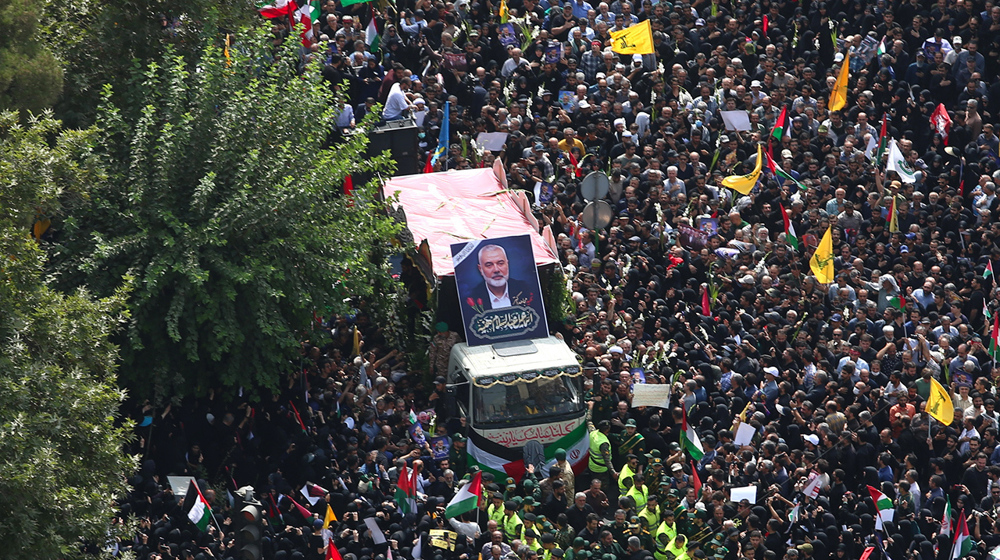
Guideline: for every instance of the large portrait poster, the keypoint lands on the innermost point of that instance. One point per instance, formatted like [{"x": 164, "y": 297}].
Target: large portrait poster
[{"x": 498, "y": 290}]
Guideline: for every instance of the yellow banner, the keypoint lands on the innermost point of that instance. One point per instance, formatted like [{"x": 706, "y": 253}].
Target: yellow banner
[
  {"x": 821, "y": 262},
  {"x": 838, "y": 97},
  {"x": 637, "y": 39},
  {"x": 743, "y": 184},
  {"x": 939, "y": 404}
]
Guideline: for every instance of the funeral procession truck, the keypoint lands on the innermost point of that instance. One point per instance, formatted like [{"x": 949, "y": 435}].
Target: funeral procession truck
[{"x": 522, "y": 400}]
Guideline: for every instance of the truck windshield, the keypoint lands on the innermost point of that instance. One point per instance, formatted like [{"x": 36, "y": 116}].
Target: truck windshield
[{"x": 539, "y": 398}]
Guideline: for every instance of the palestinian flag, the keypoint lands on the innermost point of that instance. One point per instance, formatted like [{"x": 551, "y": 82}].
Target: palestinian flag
[
  {"x": 883, "y": 141},
  {"x": 790, "y": 236},
  {"x": 413, "y": 417},
  {"x": 372, "y": 37},
  {"x": 305, "y": 15},
  {"x": 884, "y": 506},
  {"x": 899, "y": 302},
  {"x": 995, "y": 338},
  {"x": 467, "y": 498},
  {"x": 690, "y": 439},
  {"x": 695, "y": 479},
  {"x": 277, "y": 9},
  {"x": 946, "y": 519},
  {"x": 963, "y": 542},
  {"x": 406, "y": 492},
  {"x": 986, "y": 311},
  {"x": 777, "y": 171},
  {"x": 988, "y": 273},
  {"x": 200, "y": 513},
  {"x": 507, "y": 460},
  {"x": 881, "y": 48},
  {"x": 780, "y": 125}
]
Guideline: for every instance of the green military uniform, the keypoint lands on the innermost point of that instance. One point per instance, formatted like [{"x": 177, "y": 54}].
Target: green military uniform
[{"x": 629, "y": 441}]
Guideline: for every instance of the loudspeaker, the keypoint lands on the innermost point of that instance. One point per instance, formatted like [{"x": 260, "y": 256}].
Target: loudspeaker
[{"x": 400, "y": 138}]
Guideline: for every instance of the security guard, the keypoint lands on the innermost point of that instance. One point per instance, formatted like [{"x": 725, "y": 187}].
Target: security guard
[
  {"x": 511, "y": 524},
  {"x": 639, "y": 493},
  {"x": 599, "y": 463},
  {"x": 495, "y": 509},
  {"x": 627, "y": 475},
  {"x": 651, "y": 513}
]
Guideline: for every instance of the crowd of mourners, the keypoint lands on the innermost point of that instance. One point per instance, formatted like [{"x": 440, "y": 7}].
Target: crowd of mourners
[{"x": 834, "y": 378}]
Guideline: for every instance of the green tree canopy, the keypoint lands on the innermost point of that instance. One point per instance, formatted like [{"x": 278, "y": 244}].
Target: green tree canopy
[
  {"x": 63, "y": 463},
  {"x": 223, "y": 203},
  {"x": 31, "y": 78}
]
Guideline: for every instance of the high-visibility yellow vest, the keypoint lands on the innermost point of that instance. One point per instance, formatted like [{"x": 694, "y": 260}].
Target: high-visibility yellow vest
[
  {"x": 596, "y": 462},
  {"x": 625, "y": 474},
  {"x": 640, "y": 496},
  {"x": 512, "y": 527}
]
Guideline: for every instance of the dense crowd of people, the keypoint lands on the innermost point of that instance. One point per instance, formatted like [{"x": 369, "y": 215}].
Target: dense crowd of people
[{"x": 833, "y": 378}]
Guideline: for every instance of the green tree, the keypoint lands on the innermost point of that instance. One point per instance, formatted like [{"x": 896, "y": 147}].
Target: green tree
[
  {"x": 224, "y": 204},
  {"x": 63, "y": 463},
  {"x": 100, "y": 42},
  {"x": 30, "y": 76}
]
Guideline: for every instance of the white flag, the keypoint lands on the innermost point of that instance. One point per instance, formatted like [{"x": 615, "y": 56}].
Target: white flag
[{"x": 898, "y": 164}]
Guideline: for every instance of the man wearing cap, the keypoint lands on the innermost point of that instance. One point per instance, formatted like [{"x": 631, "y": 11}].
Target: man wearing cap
[
  {"x": 629, "y": 470},
  {"x": 567, "y": 476},
  {"x": 511, "y": 523},
  {"x": 630, "y": 443}
]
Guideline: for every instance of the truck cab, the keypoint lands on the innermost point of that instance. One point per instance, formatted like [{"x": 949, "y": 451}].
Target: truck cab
[{"x": 514, "y": 393}]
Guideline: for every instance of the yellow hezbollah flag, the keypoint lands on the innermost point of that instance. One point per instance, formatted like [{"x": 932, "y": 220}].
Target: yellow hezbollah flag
[
  {"x": 504, "y": 13},
  {"x": 821, "y": 262},
  {"x": 329, "y": 517},
  {"x": 939, "y": 404},
  {"x": 744, "y": 183},
  {"x": 637, "y": 39},
  {"x": 838, "y": 97}
]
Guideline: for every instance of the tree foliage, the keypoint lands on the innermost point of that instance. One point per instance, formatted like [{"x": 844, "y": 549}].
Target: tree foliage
[
  {"x": 30, "y": 76},
  {"x": 61, "y": 459},
  {"x": 101, "y": 42},
  {"x": 223, "y": 203}
]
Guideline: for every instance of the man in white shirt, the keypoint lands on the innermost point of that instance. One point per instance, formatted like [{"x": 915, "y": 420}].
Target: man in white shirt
[{"x": 396, "y": 104}]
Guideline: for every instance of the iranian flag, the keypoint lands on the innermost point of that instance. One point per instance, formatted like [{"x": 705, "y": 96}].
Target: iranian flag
[
  {"x": 467, "y": 498},
  {"x": 884, "y": 506},
  {"x": 406, "y": 492},
  {"x": 777, "y": 171},
  {"x": 372, "y": 38},
  {"x": 988, "y": 273},
  {"x": 790, "y": 236},
  {"x": 277, "y": 9},
  {"x": 946, "y": 520},
  {"x": 504, "y": 461},
  {"x": 963, "y": 542},
  {"x": 780, "y": 125},
  {"x": 690, "y": 439},
  {"x": 200, "y": 513}
]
